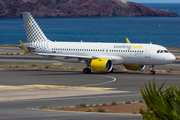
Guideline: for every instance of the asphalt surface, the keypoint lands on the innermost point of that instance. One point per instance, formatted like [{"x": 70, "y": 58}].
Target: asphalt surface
[
  {"x": 38, "y": 58},
  {"x": 125, "y": 81}
]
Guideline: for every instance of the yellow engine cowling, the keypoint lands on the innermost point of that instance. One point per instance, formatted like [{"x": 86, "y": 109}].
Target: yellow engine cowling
[
  {"x": 135, "y": 67},
  {"x": 101, "y": 65}
]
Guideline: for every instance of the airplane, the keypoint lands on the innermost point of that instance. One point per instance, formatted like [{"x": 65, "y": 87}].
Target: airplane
[{"x": 98, "y": 57}]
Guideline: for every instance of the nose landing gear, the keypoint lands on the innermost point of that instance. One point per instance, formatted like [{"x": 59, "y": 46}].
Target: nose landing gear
[{"x": 152, "y": 72}]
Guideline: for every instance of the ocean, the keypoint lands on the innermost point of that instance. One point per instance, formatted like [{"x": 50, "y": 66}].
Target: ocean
[{"x": 163, "y": 31}]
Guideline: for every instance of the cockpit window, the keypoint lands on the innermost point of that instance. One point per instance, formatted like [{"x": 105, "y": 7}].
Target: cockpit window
[
  {"x": 166, "y": 51},
  {"x": 162, "y": 51}
]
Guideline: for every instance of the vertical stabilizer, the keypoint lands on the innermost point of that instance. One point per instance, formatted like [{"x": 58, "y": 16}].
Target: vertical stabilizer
[{"x": 33, "y": 31}]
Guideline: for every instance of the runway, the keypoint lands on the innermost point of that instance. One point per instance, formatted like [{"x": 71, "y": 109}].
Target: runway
[
  {"x": 118, "y": 82},
  {"x": 22, "y": 90}
]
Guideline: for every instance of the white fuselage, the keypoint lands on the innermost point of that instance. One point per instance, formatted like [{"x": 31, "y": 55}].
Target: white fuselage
[{"x": 119, "y": 53}]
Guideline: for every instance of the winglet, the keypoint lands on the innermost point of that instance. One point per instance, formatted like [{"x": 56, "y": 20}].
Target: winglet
[
  {"x": 24, "y": 48},
  {"x": 127, "y": 40}
]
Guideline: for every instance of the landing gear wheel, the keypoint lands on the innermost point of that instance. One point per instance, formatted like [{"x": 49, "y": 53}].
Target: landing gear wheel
[
  {"x": 89, "y": 70},
  {"x": 112, "y": 70},
  {"x": 86, "y": 70},
  {"x": 152, "y": 72}
]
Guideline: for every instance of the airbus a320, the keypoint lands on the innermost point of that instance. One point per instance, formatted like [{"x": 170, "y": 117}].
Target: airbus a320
[{"x": 98, "y": 57}]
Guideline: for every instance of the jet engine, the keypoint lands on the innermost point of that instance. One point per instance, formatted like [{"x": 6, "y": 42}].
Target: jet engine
[
  {"x": 135, "y": 67},
  {"x": 101, "y": 65}
]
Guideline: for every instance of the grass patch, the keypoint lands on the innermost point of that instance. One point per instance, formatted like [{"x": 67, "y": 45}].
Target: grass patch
[
  {"x": 97, "y": 105},
  {"x": 91, "y": 105},
  {"x": 173, "y": 48},
  {"x": 104, "y": 104},
  {"x": 47, "y": 67},
  {"x": 11, "y": 45},
  {"x": 113, "y": 103},
  {"x": 101, "y": 110},
  {"x": 34, "y": 67},
  {"x": 43, "y": 107},
  {"x": 141, "y": 101},
  {"x": 128, "y": 102},
  {"x": 89, "y": 110},
  {"x": 82, "y": 105}
]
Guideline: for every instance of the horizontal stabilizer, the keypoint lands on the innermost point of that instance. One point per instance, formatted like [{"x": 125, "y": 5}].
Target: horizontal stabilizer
[
  {"x": 127, "y": 40},
  {"x": 24, "y": 48}
]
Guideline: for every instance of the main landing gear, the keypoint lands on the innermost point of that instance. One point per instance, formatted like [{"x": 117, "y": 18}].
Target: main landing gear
[
  {"x": 152, "y": 72},
  {"x": 86, "y": 70}
]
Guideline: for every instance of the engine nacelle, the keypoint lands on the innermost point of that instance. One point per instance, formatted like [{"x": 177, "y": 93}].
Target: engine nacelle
[
  {"x": 135, "y": 67},
  {"x": 101, "y": 65}
]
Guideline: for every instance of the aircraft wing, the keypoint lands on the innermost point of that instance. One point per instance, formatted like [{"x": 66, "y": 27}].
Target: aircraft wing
[
  {"x": 81, "y": 56},
  {"x": 68, "y": 56}
]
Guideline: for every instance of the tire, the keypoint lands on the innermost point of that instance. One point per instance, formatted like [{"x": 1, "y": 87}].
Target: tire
[
  {"x": 152, "y": 72},
  {"x": 85, "y": 71},
  {"x": 89, "y": 70}
]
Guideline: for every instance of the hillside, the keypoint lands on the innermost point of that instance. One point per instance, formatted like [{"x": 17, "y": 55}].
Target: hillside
[{"x": 78, "y": 8}]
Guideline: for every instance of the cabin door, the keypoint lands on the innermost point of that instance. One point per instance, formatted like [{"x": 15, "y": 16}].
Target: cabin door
[{"x": 147, "y": 52}]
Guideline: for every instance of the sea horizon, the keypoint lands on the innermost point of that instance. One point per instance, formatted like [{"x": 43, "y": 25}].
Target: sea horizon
[{"x": 158, "y": 30}]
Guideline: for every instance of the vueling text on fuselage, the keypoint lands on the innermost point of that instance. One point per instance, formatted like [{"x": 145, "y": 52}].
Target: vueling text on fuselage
[{"x": 128, "y": 46}]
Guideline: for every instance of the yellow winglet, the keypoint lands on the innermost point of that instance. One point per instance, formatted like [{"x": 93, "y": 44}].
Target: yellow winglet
[
  {"x": 127, "y": 40},
  {"x": 24, "y": 48}
]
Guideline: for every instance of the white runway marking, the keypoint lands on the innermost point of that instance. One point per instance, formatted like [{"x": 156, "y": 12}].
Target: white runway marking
[{"x": 114, "y": 79}]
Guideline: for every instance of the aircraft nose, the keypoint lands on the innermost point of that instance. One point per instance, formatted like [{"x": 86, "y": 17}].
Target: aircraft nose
[{"x": 171, "y": 58}]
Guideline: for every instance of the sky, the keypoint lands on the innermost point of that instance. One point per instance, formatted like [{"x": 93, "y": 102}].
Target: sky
[{"x": 154, "y": 1}]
